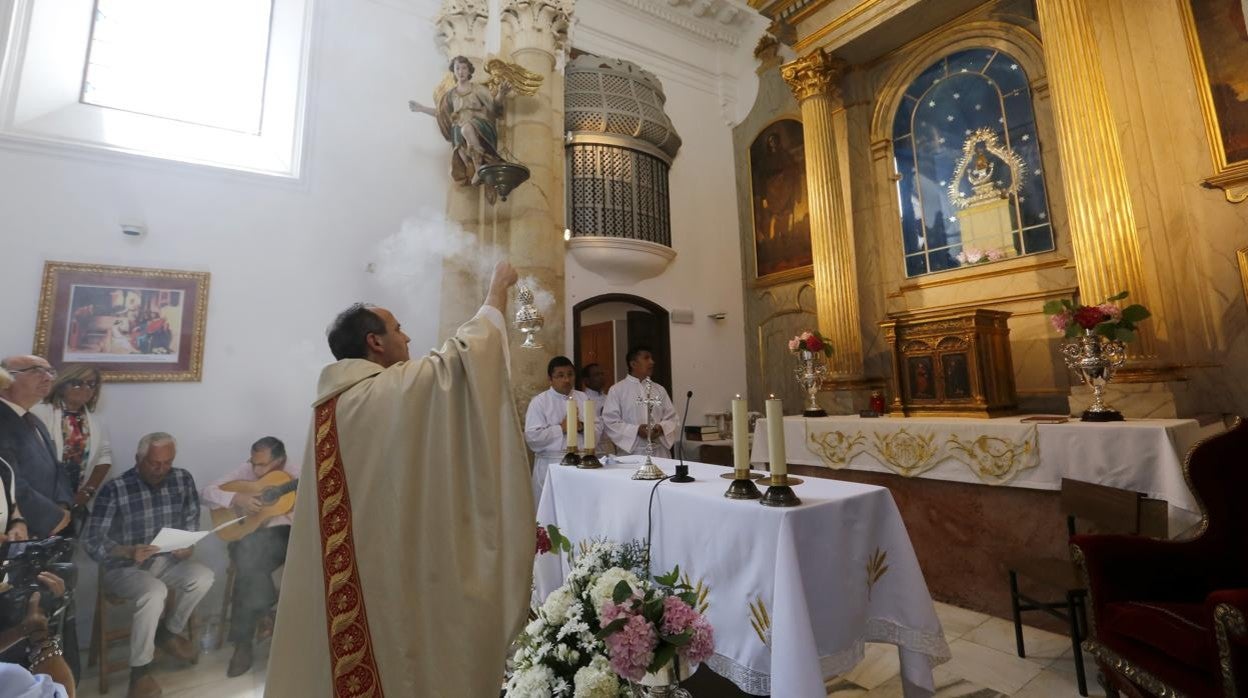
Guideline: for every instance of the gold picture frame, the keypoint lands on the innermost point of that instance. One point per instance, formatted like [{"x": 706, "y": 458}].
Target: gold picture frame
[
  {"x": 779, "y": 204},
  {"x": 134, "y": 324},
  {"x": 1216, "y": 51},
  {"x": 1242, "y": 255}
]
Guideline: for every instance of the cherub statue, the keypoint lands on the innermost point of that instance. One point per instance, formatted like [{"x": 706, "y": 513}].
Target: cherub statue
[{"x": 468, "y": 113}]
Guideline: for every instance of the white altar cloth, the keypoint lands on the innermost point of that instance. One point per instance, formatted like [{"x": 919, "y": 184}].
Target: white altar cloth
[
  {"x": 827, "y": 576},
  {"x": 1142, "y": 455}
]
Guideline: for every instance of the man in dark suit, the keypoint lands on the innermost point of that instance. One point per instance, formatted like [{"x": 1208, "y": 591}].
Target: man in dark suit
[{"x": 44, "y": 492}]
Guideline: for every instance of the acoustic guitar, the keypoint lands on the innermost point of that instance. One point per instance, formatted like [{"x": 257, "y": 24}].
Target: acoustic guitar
[{"x": 276, "y": 490}]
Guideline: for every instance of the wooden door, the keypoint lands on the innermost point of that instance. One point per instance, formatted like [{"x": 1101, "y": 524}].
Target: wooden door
[{"x": 597, "y": 346}]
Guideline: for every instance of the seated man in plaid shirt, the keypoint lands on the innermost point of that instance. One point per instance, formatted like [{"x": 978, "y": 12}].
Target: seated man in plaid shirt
[{"x": 129, "y": 511}]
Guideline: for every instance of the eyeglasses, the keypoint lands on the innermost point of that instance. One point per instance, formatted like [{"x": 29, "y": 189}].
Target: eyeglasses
[
  {"x": 77, "y": 383},
  {"x": 49, "y": 372}
]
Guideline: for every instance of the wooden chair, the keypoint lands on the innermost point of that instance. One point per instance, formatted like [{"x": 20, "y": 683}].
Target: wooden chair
[
  {"x": 227, "y": 599},
  {"x": 103, "y": 637},
  {"x": 1108, "y": 509}
]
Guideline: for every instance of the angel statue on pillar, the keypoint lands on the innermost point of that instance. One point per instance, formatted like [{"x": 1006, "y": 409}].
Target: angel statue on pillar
[{"x": 469, "y": 113}]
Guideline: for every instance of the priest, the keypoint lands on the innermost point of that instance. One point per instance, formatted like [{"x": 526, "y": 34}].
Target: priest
[
  {"x": 624, "y": 415},
  {"x": 409, "y": 567}
]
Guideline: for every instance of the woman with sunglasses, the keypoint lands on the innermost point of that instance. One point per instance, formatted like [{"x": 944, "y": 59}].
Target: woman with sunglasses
[{"x": 79, "y": 435}]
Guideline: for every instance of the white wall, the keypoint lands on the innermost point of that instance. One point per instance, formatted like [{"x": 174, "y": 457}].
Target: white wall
[
  {"x": 284, "y": 257},
  {"x": 702, "y": 79}
]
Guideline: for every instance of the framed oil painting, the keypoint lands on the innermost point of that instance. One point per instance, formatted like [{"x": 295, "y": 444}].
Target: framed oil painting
[
  {"x": 134, "y": 324},
  {"x": 779, "y": 202},
  {"x": 1217, "y": 40}
]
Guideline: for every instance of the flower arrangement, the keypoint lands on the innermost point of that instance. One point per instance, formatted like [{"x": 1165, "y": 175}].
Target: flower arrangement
[
  {"x": 1106, "y": 319},
  {"x": 606, "y": 626},
  {"x": 974, "y": 255},
  {"x": 810, "y": 340}
]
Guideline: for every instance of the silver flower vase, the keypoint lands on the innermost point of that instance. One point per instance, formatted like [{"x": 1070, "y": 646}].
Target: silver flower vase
[
  {"x": 1095, "y": 358},
  {"x": 810, "y": 373}
]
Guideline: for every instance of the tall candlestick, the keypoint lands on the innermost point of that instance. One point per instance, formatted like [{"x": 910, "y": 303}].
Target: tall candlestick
[
  {"x": 775, "y": 437},
  {"x": 591, "y": 438},
  {"x": 571, "y": 423},
  {"x": 740, "y": 439}
]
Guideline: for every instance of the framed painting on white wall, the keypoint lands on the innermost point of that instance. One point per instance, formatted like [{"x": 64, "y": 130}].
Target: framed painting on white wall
[{"x": 133, "y": 324}]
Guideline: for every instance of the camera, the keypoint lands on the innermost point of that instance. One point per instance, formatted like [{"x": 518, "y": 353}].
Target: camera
[{"x": 20, "y": 566}]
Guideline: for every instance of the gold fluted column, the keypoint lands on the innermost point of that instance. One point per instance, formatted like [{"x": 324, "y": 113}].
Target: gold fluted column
[
  {"x": 1094, "y": 178},
  {"x": 815, "y": 80}
]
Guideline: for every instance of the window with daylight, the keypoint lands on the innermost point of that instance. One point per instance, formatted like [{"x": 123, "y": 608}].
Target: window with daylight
[
  {"x": 970, "y": 178},
  {"x": 212, "y": 82},
  {"x": 167, "y": 58}
]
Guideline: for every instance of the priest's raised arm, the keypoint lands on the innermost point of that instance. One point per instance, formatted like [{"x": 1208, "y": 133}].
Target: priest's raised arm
[{"x": 410, "y": 561}]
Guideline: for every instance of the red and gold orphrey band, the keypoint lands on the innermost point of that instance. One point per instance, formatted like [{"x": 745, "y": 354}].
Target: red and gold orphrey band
[{"x": 352, "y": 662}]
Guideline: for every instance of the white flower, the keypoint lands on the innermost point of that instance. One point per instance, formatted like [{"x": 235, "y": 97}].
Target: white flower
[
  {"x": 604, "y": 587},
  {"x": 596, "y": 680},
  {"x": 535, "y": 628},
  {"x": 557, "y": 605},
  {"x": 533, "y": 682}
]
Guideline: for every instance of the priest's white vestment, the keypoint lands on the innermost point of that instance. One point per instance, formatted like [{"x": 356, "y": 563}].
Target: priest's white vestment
[
  {"x": 622, "y": 414},
  {"x": 410, "y": 560},
  {"x": 545, "y": 435}
]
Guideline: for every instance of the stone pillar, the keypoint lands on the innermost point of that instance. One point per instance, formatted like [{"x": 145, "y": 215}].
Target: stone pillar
[
  {"x": 1103, "y": 229},
  {"x": 460, "y": 26},
  {"x": 536, "y": 31},
  {"x": 815, "y": 80}
]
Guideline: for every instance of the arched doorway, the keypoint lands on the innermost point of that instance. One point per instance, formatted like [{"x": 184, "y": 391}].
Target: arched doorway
[{"x": 605, "y": 327}]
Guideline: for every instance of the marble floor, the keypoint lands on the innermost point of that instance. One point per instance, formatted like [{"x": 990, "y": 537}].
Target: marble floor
[{"x": 984, "y": 665}]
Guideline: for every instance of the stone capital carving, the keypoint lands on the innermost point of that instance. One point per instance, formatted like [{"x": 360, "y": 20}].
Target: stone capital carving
[
  {"x": 817, "y": 73},
  {"x": 461, "y": 27},
  {"x": 538, "y": 24}
]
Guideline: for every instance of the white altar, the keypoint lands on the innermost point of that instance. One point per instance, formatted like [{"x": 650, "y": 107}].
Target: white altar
[
  {"x": 793, "y": 592},
  {"x": 1143, "y": 455}
]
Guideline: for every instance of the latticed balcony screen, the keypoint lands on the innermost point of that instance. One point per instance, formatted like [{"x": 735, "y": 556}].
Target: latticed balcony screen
[{"x": 618, "y": 192}]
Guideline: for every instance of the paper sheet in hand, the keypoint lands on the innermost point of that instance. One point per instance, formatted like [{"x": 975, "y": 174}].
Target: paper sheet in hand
[{"x": 171, "y": 539}]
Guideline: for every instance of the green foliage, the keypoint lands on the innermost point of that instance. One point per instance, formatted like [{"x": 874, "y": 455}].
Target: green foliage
[{"x": 558, "y": 541}]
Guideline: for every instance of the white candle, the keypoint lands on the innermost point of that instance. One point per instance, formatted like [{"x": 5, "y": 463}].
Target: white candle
[
  {"x": 591, "y": 439},
  {"x": 775, "y": 437},
  {"x": 571, "y": 423},
  {"x": 740, "y": 439}
]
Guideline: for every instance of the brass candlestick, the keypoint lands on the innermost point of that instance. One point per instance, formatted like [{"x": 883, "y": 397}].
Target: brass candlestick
[
  {"x": 589, "y": 461},
  {"x": 780, "y": 491},
  {"x": 571, "y": 458},
  {"x": 743, "y": 487}
]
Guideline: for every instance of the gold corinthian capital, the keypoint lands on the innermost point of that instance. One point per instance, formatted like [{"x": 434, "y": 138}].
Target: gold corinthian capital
[{"x": 817, "y": 73}]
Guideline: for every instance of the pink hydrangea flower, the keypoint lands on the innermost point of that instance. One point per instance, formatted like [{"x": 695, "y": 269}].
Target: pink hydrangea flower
[
  {"x": 794, "y": 344},
  {"x": 1111, "y": 311},
  {"x": 701, "y": 645},
  {"x": 677, "y": 616},
  {"x": 1060, "y": 321},
  {"x": 631, "y": 648}
]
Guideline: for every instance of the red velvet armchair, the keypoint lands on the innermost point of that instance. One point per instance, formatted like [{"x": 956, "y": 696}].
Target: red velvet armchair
[{"x": 1167, "y": 617}]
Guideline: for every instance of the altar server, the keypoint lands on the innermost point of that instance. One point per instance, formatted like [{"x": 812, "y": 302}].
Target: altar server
[
  {"x": 546, "y": 423},
  {"x": 624, "y": 415}
]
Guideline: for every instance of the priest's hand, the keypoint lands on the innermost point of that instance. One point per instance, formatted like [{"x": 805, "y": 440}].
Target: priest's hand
[
  {"x": 246, "y": 503},
  {"x": 643, "y": 430},
  {"x": 183, "y": 553},
  {"x": 505, "y": 277}
]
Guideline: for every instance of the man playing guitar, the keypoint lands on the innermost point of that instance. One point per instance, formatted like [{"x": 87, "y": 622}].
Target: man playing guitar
[{"x": 268, "y": 506}]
